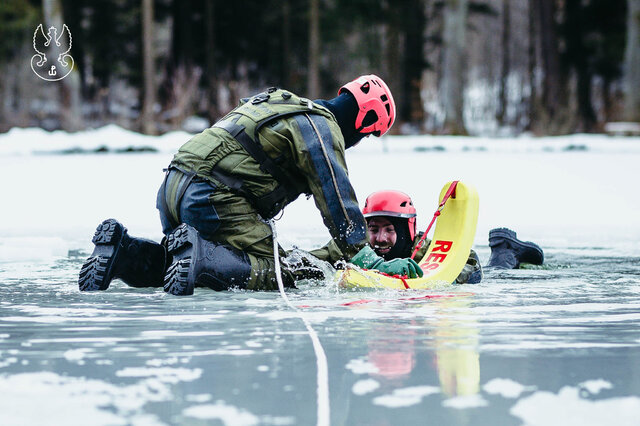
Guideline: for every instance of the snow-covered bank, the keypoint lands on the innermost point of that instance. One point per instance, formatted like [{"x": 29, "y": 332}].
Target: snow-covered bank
[
  {"x": 575, "y": 191},
  {"x": 112, "y": 138}
]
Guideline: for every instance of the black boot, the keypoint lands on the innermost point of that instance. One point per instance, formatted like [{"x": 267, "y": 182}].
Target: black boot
[
  {"x": 136, "y": 261},
  {"x": 508, "y": 252},
  {"x": 201, "y": 262}
]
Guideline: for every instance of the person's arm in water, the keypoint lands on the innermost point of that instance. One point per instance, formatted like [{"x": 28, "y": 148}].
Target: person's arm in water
[{"x": 321, "y": 158}]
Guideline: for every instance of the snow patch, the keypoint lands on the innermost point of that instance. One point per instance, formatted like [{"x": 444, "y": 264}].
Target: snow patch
[
  {"x": 164, "y": 374},
  {"x": 75, "y": 400},
  {"x": 360, "y": 366},
  {"x": 199, "y": 398},
  {"x": 405, "y": 397},
  {"x": 227, "y": 414},
  {"x": 465, "y": 401},
  {"x": 362, "y": 387},
  {"x": 595, "y": 386},
  {"x": 506, "y": 388},
  {"x": 77, "y": 355},
  {"x": 567, "y": 407},
  {"x": 175, "y": 333}
]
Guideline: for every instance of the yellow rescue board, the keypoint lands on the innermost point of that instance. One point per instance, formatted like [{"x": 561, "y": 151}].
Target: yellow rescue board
[{"x": 447, "y": 254}]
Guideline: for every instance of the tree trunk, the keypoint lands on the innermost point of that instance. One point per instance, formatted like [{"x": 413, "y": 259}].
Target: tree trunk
[
  {"x": 554, "y": 115},
  {"x": 148, "y": 67},
  {"x": 411, "y": 108},
  {"x": 393, "y": 65},
  {"x": 285, "y": 73},
  {"x": 550, "y": 55},
  {"x": 575, "y": 23},
  {"x": 453, "y": 72},
  {"x": 313, "y": 82},
  {"x": 531, "y": 65},
  {"x": 70, "y": 88},
  {"x": 501, "y": 115},
  {"x": 632, "y": 63},
  {"x": 211, "y": 79}
]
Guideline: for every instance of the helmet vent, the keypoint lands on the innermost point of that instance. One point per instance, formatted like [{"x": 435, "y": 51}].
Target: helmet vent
[
  {"x": 384, "y": 98},
  {"x": 403, "y": 204},
  {"x": 365, "y": 88}
]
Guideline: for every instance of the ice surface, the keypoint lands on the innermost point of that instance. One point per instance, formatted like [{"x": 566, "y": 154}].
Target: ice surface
[{"x": 552, "y": 346}]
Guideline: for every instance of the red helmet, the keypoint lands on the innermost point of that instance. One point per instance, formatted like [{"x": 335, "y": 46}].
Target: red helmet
[
  {"x": 372, "y": 94},
  {"x": 391, "y": 203}
]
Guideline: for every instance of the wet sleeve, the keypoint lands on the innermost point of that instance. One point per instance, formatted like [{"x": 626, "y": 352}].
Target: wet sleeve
[
  {"x": 321, "y": 159},
  {"x": 330, "y": 252}
]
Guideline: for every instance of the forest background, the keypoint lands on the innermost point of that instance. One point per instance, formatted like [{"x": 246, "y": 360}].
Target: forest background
[{"x": 479, "y": 67}]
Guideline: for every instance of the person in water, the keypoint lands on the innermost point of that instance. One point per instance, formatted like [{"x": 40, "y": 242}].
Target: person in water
[
  {"x": 391, "y": 227},
  {"x": 224, "y": 183}
]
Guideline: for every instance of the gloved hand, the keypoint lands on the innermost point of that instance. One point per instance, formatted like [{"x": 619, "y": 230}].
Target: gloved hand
[
  {"x": 367, "y": 258},
  {"x": 407, "y": 267}
]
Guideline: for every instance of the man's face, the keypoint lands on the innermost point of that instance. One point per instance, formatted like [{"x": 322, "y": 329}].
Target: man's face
[{"x": 382, "y": 235}]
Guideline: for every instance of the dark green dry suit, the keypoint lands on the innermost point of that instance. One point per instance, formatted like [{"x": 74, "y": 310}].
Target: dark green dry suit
[{"x": 256, "y": 160}]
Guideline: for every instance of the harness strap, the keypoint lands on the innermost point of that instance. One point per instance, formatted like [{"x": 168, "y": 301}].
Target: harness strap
[
  {"x": 289, "y": 187},
  {"x": 254, "y": 149},
  {"x": 267, "y": 205}
]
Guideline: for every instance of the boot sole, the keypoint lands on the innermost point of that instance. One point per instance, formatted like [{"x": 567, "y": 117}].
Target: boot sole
[
  {"x": 535, "y": 257},
  {"x": 176, "y": 280},
  {"x": 504, "y": 233},
  {"x": 179, "y": 279},
  {"x": 96, "y": 273}
]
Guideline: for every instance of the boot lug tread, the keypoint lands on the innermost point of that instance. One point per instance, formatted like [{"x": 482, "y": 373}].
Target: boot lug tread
[
  {"x": 176, "y": 280},
  {"x": 178, "y": 239},
  {"x": 105, "y": 232},
  {"x": 93, "y": 273}
]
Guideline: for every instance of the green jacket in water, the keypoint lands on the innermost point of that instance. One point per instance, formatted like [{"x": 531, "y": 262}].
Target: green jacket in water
[{"x": 261, "y": 157}]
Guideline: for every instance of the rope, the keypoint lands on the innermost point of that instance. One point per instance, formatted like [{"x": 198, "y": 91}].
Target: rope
[
  {"x": 451, "y": 192},
  {"x": 324, "y": 411}
]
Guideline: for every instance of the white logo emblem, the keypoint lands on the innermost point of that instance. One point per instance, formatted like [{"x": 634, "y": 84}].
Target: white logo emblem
[{"x": 59, "y": 64}]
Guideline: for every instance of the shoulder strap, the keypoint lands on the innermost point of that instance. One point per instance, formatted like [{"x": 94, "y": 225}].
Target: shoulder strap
[{"x": 254, "y": 149}]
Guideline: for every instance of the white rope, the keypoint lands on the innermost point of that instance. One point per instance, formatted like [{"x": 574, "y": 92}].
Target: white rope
[{"x": 324, "y": 410}]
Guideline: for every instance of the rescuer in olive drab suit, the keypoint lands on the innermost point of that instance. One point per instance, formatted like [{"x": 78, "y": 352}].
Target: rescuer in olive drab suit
[{"x": 225, "y": 182}]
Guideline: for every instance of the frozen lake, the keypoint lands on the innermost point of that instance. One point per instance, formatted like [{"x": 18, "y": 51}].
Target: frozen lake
[{"x": 553, "y": 346}]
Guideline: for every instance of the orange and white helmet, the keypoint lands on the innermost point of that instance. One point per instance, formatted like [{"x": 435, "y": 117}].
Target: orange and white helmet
[{"x": 372, "y": 94}]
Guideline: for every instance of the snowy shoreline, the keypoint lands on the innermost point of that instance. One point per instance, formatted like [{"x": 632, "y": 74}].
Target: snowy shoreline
[{"x": 115, "y": 139}]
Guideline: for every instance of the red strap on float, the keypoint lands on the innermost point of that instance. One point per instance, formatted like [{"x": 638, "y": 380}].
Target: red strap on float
[
  {"x": 402, "y": 278},
  {"x": 451, "y": 192}
]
